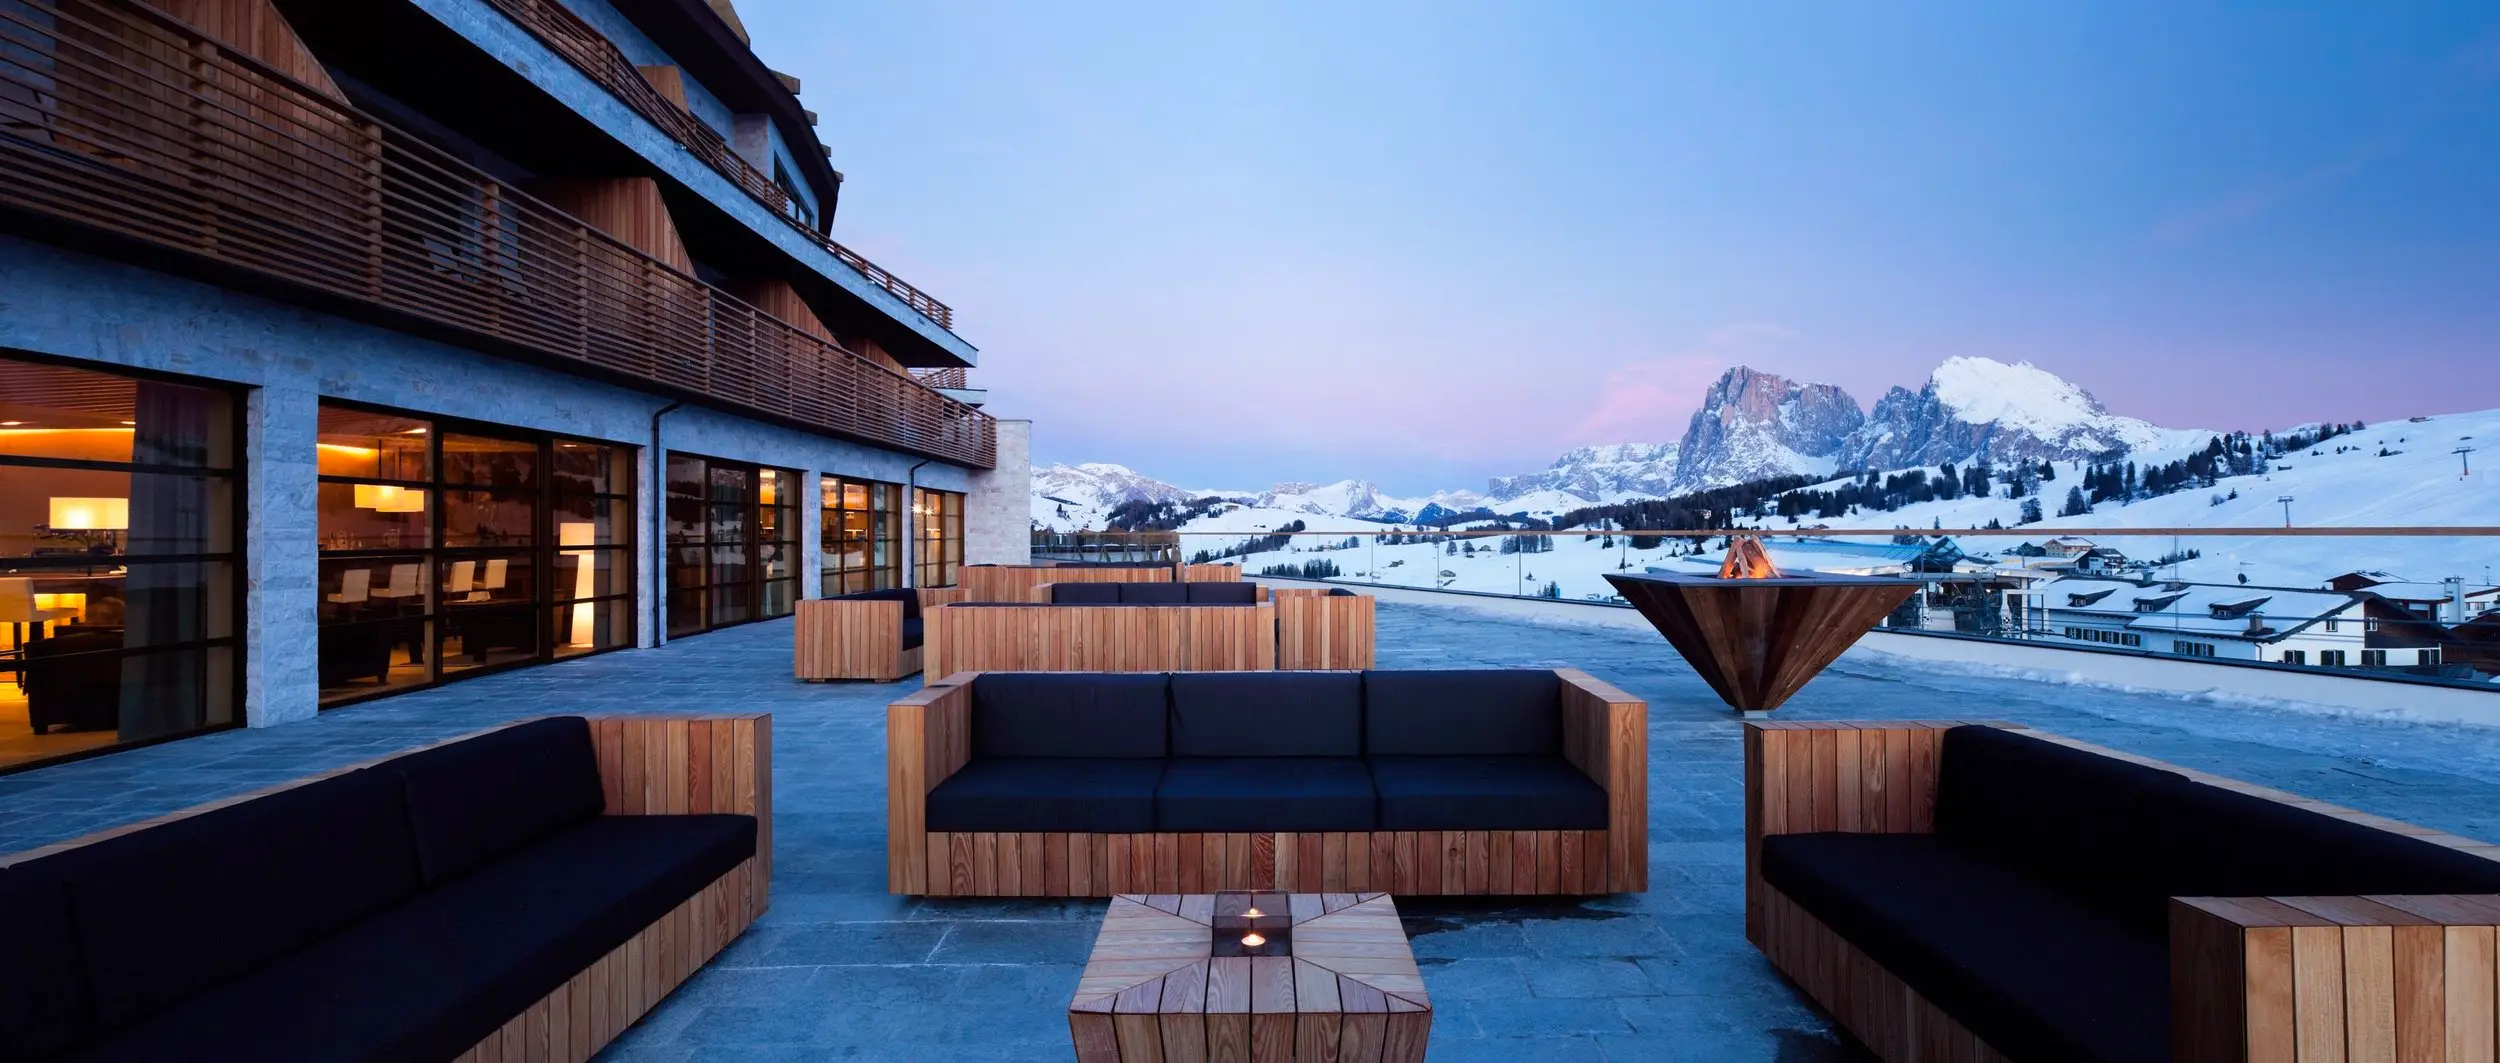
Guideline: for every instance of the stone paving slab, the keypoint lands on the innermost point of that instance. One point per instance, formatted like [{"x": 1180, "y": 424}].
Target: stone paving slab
[{"x": 838, "y": 969}]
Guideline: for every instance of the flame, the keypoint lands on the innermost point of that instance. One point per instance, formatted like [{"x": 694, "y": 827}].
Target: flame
[
  {"x": 1746, "y": 559},
  {"x": 1252, "y": 940},
  {"x": 1252, "y": 914}
]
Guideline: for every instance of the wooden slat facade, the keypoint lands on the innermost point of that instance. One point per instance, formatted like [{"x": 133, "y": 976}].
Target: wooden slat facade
[
  {"x": 928, "y": 738},
  {"x": 2397, "y": 979},
  {"x": 627, "y": 208},
  {"x": 1099, "y": 638},
  {"x": 133, "y": 126},
  {"x": 595, "y": 56},
  {"x": 1225, "y": 572}
]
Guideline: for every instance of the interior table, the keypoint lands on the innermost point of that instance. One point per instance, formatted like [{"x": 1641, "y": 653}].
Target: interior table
[{"x": 1245, "y": 977}]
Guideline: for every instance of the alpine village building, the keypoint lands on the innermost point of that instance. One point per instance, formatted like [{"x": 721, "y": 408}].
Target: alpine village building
[{"x": 352, "y": 349}]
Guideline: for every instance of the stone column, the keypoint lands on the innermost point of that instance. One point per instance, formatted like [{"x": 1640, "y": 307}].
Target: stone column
[
  {"x": 811, "y": 517},
  {"x": 998, "y": 510},
  {"x": 282, "y": 567}
]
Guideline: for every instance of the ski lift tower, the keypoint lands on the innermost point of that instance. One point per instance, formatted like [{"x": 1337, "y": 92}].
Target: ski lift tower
[
  {"x": 2287, "y": 510},
  {"x": 2465, "y": 465}
]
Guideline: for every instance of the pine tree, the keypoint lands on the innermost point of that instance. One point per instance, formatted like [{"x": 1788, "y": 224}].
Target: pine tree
[
  {"x": 2031, "y": 511},
  {"x": 2075, "y": 505},
  {"x": 2048, "y": 471}
]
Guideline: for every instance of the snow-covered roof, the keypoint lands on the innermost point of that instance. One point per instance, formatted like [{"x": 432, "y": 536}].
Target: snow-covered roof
[
  {"x": 2191, "y": 607},
  {"x": 2408, "y": 591}
]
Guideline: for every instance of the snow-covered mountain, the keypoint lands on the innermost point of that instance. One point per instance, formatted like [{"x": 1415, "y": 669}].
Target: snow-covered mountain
[
  {"x": 1981, "y": 409},
  {"x": 1608, "y": 473},
  {"x": 1068, "y": 497},
  {"x": 1753, "y": 425}
]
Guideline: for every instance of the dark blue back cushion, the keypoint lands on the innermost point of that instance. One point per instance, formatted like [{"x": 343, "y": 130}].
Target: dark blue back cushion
[
  {"x": 2064, "y": 816},
  {"x": 1267, "y": 714},
  {"x": 1084, "y": 593},
  {"x": 1487, "y": 713},
  {"x": 1069, "y": 714},
  {"x": 43, "y": 988},
  {"x": 1154, "y": 593},
  {"x": 477, "y": 800},
  {"x": 2216, "y": 843},
  {"x": 171, "y": 911},
  {"x": 2126, "y": 838},
  {"x": 1222, "y": 593}
]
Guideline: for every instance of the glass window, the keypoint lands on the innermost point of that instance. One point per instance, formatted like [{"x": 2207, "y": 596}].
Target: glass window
[
  {"x": 862, "y": 537},
  {"x": 733, "y": 543},
  {"x": 118, "y": 533},
  {"x": 449, "y": 549},
  {"x": 938, "y": 538}
]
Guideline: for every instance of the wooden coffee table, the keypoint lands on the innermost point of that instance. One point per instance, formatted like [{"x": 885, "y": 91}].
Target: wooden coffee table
[{"x": 1172, "y": 981}]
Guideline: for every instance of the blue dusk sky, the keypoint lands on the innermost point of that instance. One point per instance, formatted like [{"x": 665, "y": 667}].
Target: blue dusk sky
[{"x": 1426, "y": 243}]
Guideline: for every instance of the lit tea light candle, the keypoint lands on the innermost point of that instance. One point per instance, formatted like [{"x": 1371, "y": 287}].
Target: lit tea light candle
[
  {"x": 1252, "y": 940},
  {"x": 1252, "y": 914}
]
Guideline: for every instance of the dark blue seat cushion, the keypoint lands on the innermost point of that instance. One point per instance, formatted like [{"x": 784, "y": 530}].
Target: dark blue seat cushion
[
  {"x": 1265, "y": 794},
  {"x": 2035, "y": 972},
  {"x": 177, "y": 909},
  {"x": 426, "y": 980},
  {"x": 1154, "y": 594},
  {"x": 1094, "y": 796},
  {"x": 1213, "y": 593},
  {"x": 912, "y": 631},
  {"x": 1484, "y": 713},
  {"x": 1486, "y": 793},
  {"x": 1267, "y": 714},
  {"x": 1084, "y": 594},
  {"x": 1069, "y": 714},
  {"x": 44, "y": 1007},
  {"x": 2127, "y": 837}
]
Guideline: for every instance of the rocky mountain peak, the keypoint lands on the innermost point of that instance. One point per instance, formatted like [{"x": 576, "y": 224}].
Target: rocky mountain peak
[{"x": 1753, "y": 425}]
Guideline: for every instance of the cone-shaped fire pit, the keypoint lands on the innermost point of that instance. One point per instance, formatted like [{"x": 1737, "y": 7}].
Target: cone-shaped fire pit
[{"x": 1755, "y": 635}]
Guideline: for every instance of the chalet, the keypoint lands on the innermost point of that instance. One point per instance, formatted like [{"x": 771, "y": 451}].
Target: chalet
[{"x": 2318, "y": 628}]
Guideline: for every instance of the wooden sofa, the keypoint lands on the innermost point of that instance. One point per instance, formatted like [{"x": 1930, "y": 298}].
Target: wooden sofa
[
  {"x": 874, "y": 635},
  {"x": 527, "y": 892},
  {"x": 1980, "y": 892},
  {"x": 1025, "y": 636},
  {"x": 1473, "y": 782},
  {"x": 1015, "y": 583}
]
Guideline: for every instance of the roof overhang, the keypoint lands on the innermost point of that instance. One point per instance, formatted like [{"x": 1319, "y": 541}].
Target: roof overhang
[{"x": 710, "y": 50}]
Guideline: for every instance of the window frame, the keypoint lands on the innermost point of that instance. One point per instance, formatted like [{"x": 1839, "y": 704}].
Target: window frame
[
  {"x": 237, "y": 559},
  {"x": 542, "y": 603}
]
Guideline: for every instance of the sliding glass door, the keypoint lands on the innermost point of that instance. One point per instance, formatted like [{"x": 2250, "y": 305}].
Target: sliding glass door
[{"x": 732, "y": 543}]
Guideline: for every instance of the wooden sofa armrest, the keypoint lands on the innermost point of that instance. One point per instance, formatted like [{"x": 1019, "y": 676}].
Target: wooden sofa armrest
[
  {"x": 846, "y": 638},
  {"x": 1606, "y": 736},
  {"x": 931, "y": 597},
  {"x": 680, "y": 765},
  {"x": 928, "y": 736},
  {"x": 2381, "y": 977},
  {"x": 1876, "y": 777}
]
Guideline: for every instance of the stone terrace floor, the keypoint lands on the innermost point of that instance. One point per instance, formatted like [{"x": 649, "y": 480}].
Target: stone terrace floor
[{"x": 837, "y": 969}]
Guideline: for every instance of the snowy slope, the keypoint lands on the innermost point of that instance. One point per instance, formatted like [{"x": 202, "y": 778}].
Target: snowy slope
[{"x": 2416, "y": 486}]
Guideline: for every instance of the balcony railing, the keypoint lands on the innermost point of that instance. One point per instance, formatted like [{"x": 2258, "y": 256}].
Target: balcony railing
[
  {"x": 586, "y": 48},
  {"x": 955, "y": 377},
  {"x": 120, "y": 119}
]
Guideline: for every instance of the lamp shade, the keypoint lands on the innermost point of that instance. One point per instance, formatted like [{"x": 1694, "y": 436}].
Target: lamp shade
[
  {"x": 386, "y": 498},
  {"x": 91, "y": 514}
]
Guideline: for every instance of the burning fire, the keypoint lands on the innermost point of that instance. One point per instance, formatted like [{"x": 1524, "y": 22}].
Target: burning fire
[{"x": 1746, "y": 559}]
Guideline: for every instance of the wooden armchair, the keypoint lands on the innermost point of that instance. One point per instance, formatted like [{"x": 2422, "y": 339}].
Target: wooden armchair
[
  {"x": 2380, "y": 977},
  {"x": 864, "y": 638}
]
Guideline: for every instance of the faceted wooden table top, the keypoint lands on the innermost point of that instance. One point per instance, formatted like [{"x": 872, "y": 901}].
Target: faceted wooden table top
[{"x": 1329, "y": 976}]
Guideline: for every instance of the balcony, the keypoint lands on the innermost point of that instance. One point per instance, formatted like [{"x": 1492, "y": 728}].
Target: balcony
[
  {"x": 120, "y": 123},
  {"x": 839, "y": 968},
  {"x": 582, "y": 45}
]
